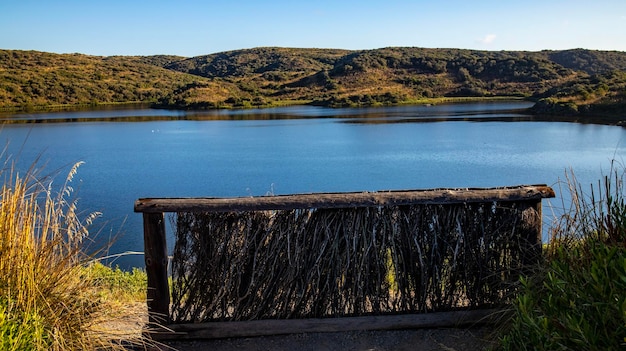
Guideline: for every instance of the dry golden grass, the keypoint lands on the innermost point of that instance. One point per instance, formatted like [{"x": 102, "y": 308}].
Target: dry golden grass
[{"x": 48, "y": 298}]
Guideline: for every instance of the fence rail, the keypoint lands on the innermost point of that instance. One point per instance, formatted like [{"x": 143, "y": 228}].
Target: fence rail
[{"x": 309, "y": 257}]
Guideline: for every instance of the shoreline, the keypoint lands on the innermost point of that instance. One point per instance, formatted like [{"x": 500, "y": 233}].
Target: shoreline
[{"x": 587, "y": 114}]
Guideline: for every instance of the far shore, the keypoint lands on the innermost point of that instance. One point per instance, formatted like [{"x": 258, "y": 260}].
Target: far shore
[{"x": 609, "y": 118}]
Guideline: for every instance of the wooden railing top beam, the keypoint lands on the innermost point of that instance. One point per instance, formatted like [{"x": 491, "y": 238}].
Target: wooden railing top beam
[{"x": 345, "y": 200}]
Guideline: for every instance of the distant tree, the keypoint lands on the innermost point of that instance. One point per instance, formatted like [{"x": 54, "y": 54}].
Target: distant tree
[{"x": 464, "y": 74}]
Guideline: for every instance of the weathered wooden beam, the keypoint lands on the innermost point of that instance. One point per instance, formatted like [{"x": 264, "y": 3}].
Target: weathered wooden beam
[
  {"x": 155, "y": 253},
  {"x": 215, "y": 330},
  {"x": 344, "y": 200}
]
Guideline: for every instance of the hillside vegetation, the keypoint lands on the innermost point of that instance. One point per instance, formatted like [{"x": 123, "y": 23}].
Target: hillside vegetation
[
  {"x": 572, "y": 81},
  {"x": 30, "y": 79}
]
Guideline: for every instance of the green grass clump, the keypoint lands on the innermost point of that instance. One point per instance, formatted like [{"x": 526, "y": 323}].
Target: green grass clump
[
  {"x": 576, "y": 300},
  {"x": 118, "y": 284},
  {"x": 50, "y": 299}
]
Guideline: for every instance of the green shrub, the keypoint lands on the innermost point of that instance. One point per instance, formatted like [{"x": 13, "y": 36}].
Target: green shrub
[
  {"x": 573, "y": 306},
  {"x": 577, "y": 299}
]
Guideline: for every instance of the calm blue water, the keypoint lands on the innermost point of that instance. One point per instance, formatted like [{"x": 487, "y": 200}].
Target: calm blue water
[{"x": 300, "y": 150}]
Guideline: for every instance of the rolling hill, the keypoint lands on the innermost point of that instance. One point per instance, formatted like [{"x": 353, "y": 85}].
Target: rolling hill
[{"x": 569, "y": 81}]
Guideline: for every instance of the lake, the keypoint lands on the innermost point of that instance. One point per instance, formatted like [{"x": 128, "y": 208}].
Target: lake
[{"x": 130, "y": 154}]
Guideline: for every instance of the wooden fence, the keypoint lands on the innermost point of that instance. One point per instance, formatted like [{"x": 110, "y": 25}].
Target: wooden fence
[{"x": 379, "y": 260}]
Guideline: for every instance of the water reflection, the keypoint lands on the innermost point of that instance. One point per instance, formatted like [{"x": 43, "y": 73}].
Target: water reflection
[
  {"x": 500, "y": 111},
  {"x": 409, "y": 113}
]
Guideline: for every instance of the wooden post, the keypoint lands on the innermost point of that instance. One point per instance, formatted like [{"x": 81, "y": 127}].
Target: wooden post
[
  {"x": 532, "y": 219},
  {"x": 155, "y": 248}
]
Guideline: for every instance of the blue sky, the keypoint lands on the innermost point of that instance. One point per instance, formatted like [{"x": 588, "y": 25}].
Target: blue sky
[{"x": 194, "y": 27}]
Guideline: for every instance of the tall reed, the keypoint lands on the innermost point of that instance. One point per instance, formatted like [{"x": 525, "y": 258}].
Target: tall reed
[{"x": 47, "y": 299}]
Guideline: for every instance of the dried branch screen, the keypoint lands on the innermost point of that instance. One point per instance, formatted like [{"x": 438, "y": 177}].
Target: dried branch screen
[{"x": 315, "y": 263}]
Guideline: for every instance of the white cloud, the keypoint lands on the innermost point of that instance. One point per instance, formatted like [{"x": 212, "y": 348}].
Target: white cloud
[{"x": 487, "y": 39}]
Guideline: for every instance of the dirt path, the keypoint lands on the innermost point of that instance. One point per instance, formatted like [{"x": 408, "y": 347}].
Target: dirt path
[
  {"x": 131, "y": 324},
  {"x": 420, "y": 339}
]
